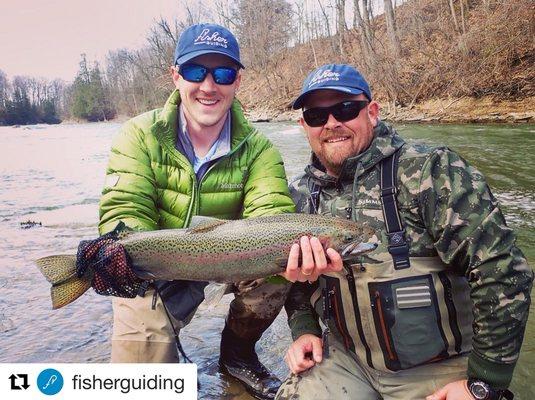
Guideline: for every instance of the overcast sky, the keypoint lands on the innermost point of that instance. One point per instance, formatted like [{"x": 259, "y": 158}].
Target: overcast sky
[{"x": 44, "y": 38}]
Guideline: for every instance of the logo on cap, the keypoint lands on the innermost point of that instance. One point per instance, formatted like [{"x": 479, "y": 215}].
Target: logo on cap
[
  {"x": 323, "y": 76},
  {"x": 214, "y": 39}
]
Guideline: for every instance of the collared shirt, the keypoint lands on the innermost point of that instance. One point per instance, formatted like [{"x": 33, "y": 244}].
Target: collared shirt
[{"x": 220, "y": 147}]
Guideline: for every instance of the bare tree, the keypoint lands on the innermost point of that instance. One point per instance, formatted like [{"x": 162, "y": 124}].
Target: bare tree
[
  {"x": 325, "y": 18},
  {"x": 366, "y": 43},
  {"x": 366, "y": 24},
  {"x": 299, "y": 17},
  {"x": 341, "y": 15},
  {"x": 463, "y": 18},
  {"x": 264, "y": 27},
  {"x": 196, "y": 12},
  {"x": 341, "y": 24},
  {"x": 222, "y": 13},
  {"x": 162, "y": 40},
  {"x": 4, "y": 89},
  {"x": 454, "y": 17},
  {"x": 391, "y": 27}
]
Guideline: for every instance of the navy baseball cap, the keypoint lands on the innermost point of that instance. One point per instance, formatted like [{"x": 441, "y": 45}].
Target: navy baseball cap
[
  {"x": 202, "y": 39},
  {"x": 341, "y": 77}
]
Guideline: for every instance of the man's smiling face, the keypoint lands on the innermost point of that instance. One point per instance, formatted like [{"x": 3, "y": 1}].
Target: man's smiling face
[
  {"x": 206, "y": 103},
  {"x": 336, "y": 141}
]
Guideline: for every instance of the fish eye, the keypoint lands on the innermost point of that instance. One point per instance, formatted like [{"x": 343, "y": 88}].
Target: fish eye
[{"x": 348, "y": 237}]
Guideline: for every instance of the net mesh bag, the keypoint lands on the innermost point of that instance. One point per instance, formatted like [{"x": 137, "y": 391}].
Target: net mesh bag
[{"x": 112, "y": 267}]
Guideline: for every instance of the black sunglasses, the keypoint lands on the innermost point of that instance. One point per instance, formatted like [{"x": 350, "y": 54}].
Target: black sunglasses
[
  {"x": 197, "y": 73},
  {"x": 344, "y": 111}
]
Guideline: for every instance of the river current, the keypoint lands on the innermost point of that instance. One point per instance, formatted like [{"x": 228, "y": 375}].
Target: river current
[{"x": 53, "y": 175}]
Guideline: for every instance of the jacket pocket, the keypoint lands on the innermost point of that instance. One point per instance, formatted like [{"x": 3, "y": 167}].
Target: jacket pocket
[{"x": 407, "y": 321}]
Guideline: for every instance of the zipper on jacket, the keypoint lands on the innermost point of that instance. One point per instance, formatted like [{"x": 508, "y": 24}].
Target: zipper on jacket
[
  {"x": 197, "y": 184},
  {"x": 194, "y": 206},
  {"x": 196, "y": 196},
  {"x": 326, "y": 294},
  {"x": 337, "y": 319},
  {"x": 384, "y": 330},
  {"x": 452, "y": 311},
  {"x": 353, "y": 291}
]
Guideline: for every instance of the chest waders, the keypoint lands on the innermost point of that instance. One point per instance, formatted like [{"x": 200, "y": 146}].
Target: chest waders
[
  {"x": 180, "y": 315},
  {"x": 399, "y": 312}
]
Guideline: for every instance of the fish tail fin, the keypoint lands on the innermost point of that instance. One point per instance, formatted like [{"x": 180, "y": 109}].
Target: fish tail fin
[
  {"x": 60, "y": 271},
  {"x": 66, "y": 292},
  {"x": 57, "y": 269}
]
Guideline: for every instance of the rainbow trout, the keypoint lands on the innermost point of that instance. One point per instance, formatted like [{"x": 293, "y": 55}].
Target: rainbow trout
[{"x": 213, "y": 250}]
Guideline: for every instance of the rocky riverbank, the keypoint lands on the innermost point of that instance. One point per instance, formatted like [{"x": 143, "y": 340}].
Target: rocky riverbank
[{"x": 462, "y": 110}]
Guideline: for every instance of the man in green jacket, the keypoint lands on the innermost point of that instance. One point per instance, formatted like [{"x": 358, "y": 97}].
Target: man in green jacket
[
  {"x": 438, "y": 311},
  {"x": 197, "y": 155}
]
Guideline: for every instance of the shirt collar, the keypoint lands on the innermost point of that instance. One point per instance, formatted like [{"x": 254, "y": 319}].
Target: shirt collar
[{"x": 219, "y": 148}]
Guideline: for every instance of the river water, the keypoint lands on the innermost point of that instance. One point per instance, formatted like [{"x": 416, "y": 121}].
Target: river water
[{"x": 54, "y": 174}]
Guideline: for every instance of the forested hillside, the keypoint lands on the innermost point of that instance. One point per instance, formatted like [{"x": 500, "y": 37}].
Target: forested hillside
[{"x": 429, "y": 60}]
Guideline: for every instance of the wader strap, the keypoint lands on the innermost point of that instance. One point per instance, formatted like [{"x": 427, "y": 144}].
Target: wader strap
[
  {"x": 314, "y": 196},
  {"x": 314, "y": 201},
  {"x": 175, "y": 333},
  {"x": 395, "y": 232}
]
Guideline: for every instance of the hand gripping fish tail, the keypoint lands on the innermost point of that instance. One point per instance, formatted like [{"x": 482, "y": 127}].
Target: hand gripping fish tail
[
  {"x": 101, "y": 263},
  {"x": 213, "y": 250}
]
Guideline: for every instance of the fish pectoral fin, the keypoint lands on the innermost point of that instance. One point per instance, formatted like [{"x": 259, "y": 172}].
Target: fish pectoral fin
[
  {"x": 143, "y": 273},
  {"x": 366, "y": 259},
  {"x": 200, "y": 224},
  {"x": 214, "y": 292},
  {"x": 355, "y": 251},
  {"x": 357, "y": 248}
]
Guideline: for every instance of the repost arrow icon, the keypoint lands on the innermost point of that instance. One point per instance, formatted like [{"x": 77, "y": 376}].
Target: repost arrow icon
[{"x": 13, "y": 378}]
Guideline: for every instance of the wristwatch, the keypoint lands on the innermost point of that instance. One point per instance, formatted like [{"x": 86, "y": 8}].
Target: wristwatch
[{"x": 483, "y": 391}]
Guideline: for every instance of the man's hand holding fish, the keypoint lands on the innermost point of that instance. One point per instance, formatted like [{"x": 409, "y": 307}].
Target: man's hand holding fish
[{"x": 315, "y": 260}]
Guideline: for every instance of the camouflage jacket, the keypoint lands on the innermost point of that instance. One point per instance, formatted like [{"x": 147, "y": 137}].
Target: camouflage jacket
[{"x": 448, "y": 212}]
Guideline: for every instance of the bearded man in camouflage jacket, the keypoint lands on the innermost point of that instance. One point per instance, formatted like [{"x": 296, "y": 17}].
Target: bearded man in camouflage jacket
[{"x": 438, "y": 311}]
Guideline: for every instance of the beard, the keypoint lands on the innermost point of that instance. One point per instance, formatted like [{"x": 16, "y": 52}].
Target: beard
[
  {"x": 332, "y": 160},
  {"x": 333, "y": 155}
]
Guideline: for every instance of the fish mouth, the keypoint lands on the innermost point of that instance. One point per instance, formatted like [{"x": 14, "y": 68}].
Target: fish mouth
[{"x": 357, "y": 249}]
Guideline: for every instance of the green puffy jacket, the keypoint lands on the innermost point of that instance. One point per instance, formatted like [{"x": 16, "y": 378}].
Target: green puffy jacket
[{"x": 150, "y": 185}]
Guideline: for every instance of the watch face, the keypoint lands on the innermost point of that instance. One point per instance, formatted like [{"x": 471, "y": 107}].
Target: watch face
[{"x": 479, "y": 390}]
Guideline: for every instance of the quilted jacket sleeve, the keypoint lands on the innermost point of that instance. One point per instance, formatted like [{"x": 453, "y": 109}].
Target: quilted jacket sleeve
[
  {"x": 129, "y": 193},
  {"x": 266, "y": 188}
]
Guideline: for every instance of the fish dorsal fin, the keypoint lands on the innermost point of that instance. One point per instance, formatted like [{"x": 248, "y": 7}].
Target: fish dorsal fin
[
  {"x": 200, "y": 224},
  {"x": 121, "y": 231}
]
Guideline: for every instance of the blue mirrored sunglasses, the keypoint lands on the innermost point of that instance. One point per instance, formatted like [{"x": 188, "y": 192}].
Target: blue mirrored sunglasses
[{"x": 197, "y": 73}]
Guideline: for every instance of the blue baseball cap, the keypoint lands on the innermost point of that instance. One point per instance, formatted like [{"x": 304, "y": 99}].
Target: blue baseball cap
[
  {"x": 202, "y": 39},
  {"x": 341, "y": 77}
]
